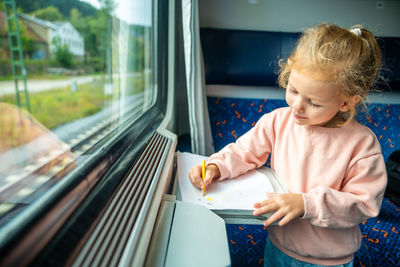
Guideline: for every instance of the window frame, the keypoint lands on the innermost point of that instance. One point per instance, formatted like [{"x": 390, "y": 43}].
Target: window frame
[{"x": 71, "y": 197}]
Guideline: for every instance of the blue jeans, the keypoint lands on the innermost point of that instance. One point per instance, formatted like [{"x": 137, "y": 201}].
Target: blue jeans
[{"x": 273, "y": 257}]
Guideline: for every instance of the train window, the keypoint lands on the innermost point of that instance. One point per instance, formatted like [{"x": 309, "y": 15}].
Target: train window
[{"x": 75, "y": 73}]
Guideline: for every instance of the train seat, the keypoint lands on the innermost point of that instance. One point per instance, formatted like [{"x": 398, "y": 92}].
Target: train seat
[{"x": 241, "y": 80}]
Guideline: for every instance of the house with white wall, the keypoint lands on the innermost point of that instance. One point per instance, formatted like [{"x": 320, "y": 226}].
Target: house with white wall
[
  {"x": 64, "y": 32},
  {"x": 68, "y": 35}
]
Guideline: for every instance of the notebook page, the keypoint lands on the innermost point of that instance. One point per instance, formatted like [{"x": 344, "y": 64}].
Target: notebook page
[{"x": 238, "y": 193}]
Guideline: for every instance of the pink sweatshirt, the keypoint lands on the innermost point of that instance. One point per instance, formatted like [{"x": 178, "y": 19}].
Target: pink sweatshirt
[{"x": 339, "y": 171}]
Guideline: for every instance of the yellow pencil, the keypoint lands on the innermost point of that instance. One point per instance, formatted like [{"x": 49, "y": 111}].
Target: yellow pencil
[{"x": 203, "y": 176}]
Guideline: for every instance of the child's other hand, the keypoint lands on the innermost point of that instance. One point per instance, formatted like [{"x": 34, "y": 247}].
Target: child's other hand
[
  {"x": 212, "y": 171},
  {"x": 286, "y": 207}
]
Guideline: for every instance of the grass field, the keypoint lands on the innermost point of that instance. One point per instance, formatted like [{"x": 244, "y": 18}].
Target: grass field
[{"x": 56, "y": 107}]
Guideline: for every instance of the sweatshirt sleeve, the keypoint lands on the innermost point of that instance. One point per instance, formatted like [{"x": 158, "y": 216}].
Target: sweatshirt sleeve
[
  {"x": 359, "y": 198},
  {"x": 250, "y": 151}
]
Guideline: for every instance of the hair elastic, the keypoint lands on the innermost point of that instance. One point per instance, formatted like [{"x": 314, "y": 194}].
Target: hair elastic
[{"x": 356, "y": 31}]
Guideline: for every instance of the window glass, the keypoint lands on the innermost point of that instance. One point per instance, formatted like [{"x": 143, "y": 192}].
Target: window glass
[{"x": 71, "y": 72}]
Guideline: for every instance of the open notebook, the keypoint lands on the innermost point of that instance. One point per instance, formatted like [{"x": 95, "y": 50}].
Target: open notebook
[{"x": 232, "y": 199}]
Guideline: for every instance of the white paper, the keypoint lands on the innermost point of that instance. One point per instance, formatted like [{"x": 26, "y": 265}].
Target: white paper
[{"x": 237, "y": 193}]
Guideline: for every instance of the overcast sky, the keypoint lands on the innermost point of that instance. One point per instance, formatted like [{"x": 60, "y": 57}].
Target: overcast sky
[{"x": 131, "y": 11}]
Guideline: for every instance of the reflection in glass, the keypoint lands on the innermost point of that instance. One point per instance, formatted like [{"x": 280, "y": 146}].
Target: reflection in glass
[
  {"x": 30, "y": 155},
  {"x": 76, "y": 100}
]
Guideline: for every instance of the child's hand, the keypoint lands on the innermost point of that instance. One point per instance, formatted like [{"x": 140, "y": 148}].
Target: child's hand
[
  {"x": 212, "y": 171},
  {"x": 286, "y": 207}
]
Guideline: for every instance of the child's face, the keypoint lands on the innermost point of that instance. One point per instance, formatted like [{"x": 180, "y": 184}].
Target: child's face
[{"x": 312, "y": 101}]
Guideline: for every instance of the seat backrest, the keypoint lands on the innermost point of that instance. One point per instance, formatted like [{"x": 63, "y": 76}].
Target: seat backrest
[{"x": 243, "y": 57}]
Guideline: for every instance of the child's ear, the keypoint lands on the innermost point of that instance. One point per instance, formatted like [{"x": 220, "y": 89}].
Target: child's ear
[{"x": 349, "y": 103}]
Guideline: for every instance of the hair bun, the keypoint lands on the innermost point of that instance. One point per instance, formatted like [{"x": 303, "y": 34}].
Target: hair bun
[{"x": 356, "y": 31}]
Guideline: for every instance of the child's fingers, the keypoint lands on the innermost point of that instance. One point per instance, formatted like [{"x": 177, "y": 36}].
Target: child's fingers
[
  {"x": 266, "y": 201},
  {"x": 196, "y": 179},
  {"x": 286, "y": 206},
  {"x": 210, "y": 175},
  {"x": 212, "y": 172},
  {"x": 265, "y": 207},
  {"x": 286, "y": 219},
  {"x": 263, "y": 203},
  {"x": 195, "y": 176},
  {"x": 274, "y": 218}
]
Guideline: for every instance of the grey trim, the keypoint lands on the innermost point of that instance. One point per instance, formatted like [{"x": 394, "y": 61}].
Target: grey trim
[{"x": 261, "y": 92}]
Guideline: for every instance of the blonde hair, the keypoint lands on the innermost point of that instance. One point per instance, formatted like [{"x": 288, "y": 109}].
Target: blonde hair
[{"x": 351, "y": 59}]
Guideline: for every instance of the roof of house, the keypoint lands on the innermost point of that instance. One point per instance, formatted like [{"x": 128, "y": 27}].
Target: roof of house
[
  {"x": 29, "y": 31},
  {"x": 60, "y": 23},
  {"x": 41, "y": 22},
  {"x": 44, "y": 23}
]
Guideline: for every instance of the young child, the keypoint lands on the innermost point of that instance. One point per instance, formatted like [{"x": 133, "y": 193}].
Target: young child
[{"x": 331, "y": 165}]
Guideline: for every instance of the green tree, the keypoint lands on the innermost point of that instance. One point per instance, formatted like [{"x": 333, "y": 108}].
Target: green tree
[
  {"x": 100, "y": 31},
  {"x": 136, "y": 54},
  {"x": 3, "y": 30},
  {"x": 30, "y": 6},
  {"x": 27, "y": 41},
  {"x": 62, "y": 54},
  {"x": 82, "y": 25},
  {"x": 49, "y": 13},
  {"x": 76, "y": 19}
]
